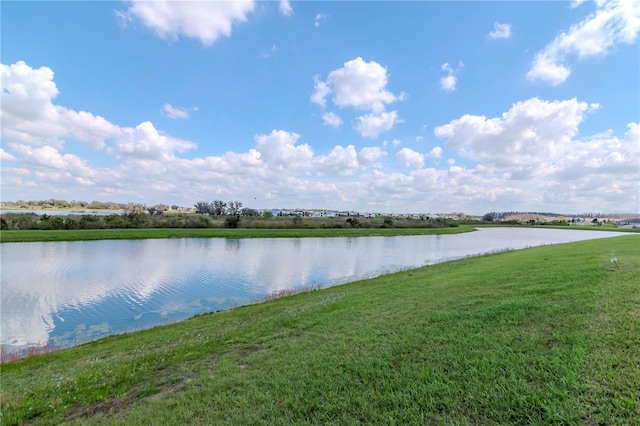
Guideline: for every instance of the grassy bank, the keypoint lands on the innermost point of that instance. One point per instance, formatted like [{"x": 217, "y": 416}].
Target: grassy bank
[
  {"x": 146, "y": 233},
  {"x": 546, "y": 335}
]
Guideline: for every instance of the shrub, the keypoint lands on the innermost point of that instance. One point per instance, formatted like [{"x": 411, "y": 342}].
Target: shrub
[
  {"x": 387, "y": 223},
  {"x": 232, "y": 221}
]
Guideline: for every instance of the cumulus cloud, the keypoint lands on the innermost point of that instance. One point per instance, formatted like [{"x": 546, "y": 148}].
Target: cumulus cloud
[
  {"x": 500, "y": 30},
  {"x": 410, "y": 158},
  {"x": 342, "y": 161},
  {"x": 528, "y": 134},
  {"x": 51, "y": 158},
  {"x": 30, "y": 117},
  {"x": 368, "y": 155},
  {"x": 358, "y": 84},
  {"x": 145, "y": 141},
  {"x": 533, "y": 149},
  {"x": 613, "y": 22},
  {"x": 279, "y": 150},
  {"x": 285, "y": 8},
  {"x": 448, "y": 82},
  {"x": 361, "y": 85},
  {"x": 436, "y": 152},
  {"x": 321, "y": 91},
  {"x": 371, "y": 125},
  {"x": 332, "y": 119},
  {"x": 206, "y": 21}
]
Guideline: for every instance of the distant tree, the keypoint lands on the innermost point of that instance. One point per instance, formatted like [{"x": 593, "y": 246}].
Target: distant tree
[
  {"x": 50, "y": 222},
  {"x": 136, "y": 214},
  {"x": 234, "y": 207},
  {"x": 175, "y": 207},
  {"x": 202, "y": 207},
  {"x": 114, "y": 221},
  {"x": 267, "y": 214},
  {"x": 488, "y": 217},
  {"x": 249, "y": 212},
  {"x": 387, "y": 223},
  {"x": 70, "y": 222},
  {"x": 218, "y": 208}
]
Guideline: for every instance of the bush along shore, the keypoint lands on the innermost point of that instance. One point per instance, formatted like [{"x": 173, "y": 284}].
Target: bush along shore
[{"x": 547, "y": 335}]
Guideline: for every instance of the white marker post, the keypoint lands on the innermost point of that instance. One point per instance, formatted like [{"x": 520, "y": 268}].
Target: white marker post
[{"x": 615, "y": 260}]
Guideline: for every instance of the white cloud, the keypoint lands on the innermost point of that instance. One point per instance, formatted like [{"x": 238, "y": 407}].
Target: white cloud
[
  {"x": 436, "y": 152},
  {"x": 144, "y": 141},
  {"x": 321, "y": 91},
  {"x": 419, "y": 138},
  {"x": 371, "y": 125},
  {"x": 358, "y": 84},
  {"x": 528, "y": 134},
  {"x": 546, "y": 68},
  {"x": 410, "y": 158},
  {"x": 285, "y": 8},
  {"x": 448, "y": 83},
  {"x": 30, "y": 117},
  {"x": 51, "y": 158},
  {"x": 332, "y": 119},
  {"x": 320, "y": 18},
  {"x": 5, "y": 156},
  {"x": 279, "y": 150},
  {"x": 613, "y": 22},
  {"x": 368, "y": 155},
  {"x": 576, "y": 3},
  {"x": 206, "y": 21},
  {"x": 174, "y": 112},
  {"x": 342, "y": 161},
  {"x": 500, "y": 30}
]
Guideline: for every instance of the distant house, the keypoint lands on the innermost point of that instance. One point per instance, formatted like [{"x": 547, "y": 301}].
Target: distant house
[{"x": 632, "y": 222}]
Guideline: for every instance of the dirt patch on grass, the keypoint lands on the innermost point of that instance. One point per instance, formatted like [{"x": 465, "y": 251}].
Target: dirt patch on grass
[
  {"x": 164, "y": 382},
  {"x": 112, "y": 405}
]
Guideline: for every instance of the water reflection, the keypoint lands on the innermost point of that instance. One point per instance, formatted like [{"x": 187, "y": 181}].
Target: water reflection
[{"x": 70, "y": 292}]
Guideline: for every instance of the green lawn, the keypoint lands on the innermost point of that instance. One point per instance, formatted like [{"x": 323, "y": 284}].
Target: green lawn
[
  {"x": 547, "y": 335},
  {"x": 144, "y": 233}
]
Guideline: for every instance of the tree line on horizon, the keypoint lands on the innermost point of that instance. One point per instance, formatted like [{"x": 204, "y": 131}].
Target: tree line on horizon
[
  {"x": 221, "y": 208},
  {"x": 53, "y": 203}
]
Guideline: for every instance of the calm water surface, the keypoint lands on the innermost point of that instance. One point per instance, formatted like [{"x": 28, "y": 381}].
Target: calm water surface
[{"x": 71, "y": 292}]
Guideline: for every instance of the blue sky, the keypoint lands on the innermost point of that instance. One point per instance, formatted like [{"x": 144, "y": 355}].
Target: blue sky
[{"x": 371, "y": 106}]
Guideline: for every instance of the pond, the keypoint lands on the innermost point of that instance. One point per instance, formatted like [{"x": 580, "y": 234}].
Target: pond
[{"x": 66, "y": 293}]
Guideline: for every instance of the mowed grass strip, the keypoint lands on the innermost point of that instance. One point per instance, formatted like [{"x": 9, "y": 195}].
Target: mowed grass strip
[
  {"x": 154, "y": 233},
  {"x": 547, "y": 335}
]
